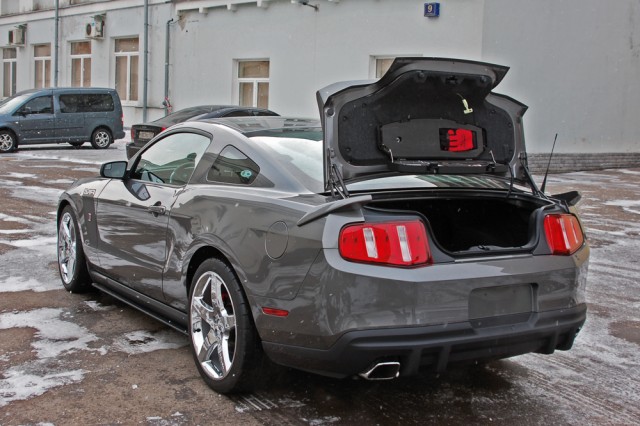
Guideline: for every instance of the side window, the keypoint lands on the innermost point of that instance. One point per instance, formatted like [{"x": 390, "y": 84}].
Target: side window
[
  {"x": 39, "y": 105},
  {"x": 96, "y": 102},
  {"x": 232, "y": 166},
  {"x": 172, "y": 159},
  {"x": 69, "y": 103},
  {"x": 92, "y": 102}
]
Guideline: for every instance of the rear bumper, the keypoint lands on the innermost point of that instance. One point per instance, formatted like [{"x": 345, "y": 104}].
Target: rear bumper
[{"x": 435, "y": 347}]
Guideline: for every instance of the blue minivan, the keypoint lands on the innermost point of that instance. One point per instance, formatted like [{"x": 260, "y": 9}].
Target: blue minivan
[{"x": 61, "y": 115}]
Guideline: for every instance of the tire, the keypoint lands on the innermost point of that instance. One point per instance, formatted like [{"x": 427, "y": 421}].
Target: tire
[
  {"x": 71, "y": 261},
  {"x": 76, "y": 144},
  {"x": 224, "y": 342},
  {"x": 8, "y": 141},
  {"x": 101, "y": 138}
]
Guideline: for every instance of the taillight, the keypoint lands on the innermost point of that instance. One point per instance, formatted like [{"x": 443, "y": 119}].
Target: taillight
[
  {"x": 457, "y": 140},
  {"x": 393, "y": 243},
  {"x": 564, "y": 234},
  {"x": 132, "y": 133}
]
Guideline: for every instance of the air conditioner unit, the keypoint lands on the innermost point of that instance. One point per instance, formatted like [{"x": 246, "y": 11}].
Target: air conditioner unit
[
  {"x": 95, "y": 28},
  {"x": 16, "y": 36}
]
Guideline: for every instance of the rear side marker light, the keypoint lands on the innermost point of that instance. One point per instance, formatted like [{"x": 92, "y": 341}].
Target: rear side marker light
[
  {"x": 564, "y": 234},
  {"x": 275, "y": 312},
  {"x": 392, "y": 243}
]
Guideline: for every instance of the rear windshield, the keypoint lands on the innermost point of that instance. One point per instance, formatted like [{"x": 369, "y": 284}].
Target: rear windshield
[
  {"x": 299, "y": 151},
  {"x": 89, "y": 102},
  {"x": 187, "y": 113}
]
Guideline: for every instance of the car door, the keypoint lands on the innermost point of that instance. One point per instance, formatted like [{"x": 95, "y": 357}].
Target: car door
[
  {"x": 70, "y": 117},
  {"x": 36, "y": 120},
  {"x": 133, "y": 213}
]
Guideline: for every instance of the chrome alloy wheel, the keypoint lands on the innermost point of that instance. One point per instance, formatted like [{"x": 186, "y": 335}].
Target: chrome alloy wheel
[
  {"x": 67, "y": 245},
  {"x": 102, "y": 139},
  {"x": 213, "y": 325},
  {"x": 6, "y": 142}
]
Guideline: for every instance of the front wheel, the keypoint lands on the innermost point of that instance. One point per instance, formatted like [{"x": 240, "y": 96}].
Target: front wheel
[
  {"x": 224, "y": 342},
  {"x": 101, "y": 138},
  {"x": 8, "y": 141},
  {"x": 71, "y": 261}
]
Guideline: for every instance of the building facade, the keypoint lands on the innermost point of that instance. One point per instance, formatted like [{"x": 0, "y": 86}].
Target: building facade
[{"x": 575, "y": 63}]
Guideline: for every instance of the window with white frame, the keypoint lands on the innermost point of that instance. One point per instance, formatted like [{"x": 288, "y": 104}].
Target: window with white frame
[
  {"x": 127, "y": 55},
  {"x": 9, "y": 64},
  {"x": 253, "y": 83},
  {"x": 42, "y": 65},
  {"x": 381, "y": 64},
  {"x": 81, "y": 64}
]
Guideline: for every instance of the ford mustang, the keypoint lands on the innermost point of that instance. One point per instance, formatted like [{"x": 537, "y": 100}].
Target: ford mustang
[{"x": 401, "y": 232}]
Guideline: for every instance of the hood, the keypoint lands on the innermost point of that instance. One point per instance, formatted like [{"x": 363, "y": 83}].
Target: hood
[{"x": 425, "y": 115}]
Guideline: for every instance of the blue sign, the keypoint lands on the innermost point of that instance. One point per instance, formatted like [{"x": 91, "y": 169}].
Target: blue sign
[{"x": 432, "y": 10}]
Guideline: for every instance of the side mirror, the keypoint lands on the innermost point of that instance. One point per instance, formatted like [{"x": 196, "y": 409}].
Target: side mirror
[
  {"x": 114, "y": 170},
  {"x": 24, "y": 111}
]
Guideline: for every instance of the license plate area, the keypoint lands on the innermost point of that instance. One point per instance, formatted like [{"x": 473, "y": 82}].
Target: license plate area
[
  {"x": 146, "y": 135},
  {"x": 501, "y": 305}
]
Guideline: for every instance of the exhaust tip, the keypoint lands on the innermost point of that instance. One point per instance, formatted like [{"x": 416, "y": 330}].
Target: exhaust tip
[{"x": 382, "y": 371}]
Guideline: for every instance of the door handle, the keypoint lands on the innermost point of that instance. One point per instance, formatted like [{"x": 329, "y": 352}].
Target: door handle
[{"x": 157, "y": 209}]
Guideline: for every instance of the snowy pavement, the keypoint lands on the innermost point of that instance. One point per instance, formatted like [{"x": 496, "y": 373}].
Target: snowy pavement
[{"x": 88, "y": 359}]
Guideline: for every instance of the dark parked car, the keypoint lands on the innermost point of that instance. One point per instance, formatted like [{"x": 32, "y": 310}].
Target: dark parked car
[
  {"x": 73, "y": 115},
  {"x": 143, "y": 133},
  {"x": 404, "y": 233}
]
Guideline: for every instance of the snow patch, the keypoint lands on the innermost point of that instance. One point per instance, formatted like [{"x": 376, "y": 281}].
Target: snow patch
[
  {"x": 142, "y": 341},
  {"x": 43, "y": 245},
  {"x": 20, "y": 175},
  {"x": 13, "y": 284},
  {"x": 54, "y": 336},
  {"x": 629, "y": 206},
  {"x": 96, "y": 306},
  {"x": 20, "y": 383}
]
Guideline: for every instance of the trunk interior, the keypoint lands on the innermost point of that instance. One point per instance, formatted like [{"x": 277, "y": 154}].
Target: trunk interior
[{"x": 467, "y": 225}]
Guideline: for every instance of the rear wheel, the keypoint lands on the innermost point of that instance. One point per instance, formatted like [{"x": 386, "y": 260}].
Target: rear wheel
[
  {"x": 71, "y": 261},
  {"x": 224, "y": 342},
  {"x": 8, "y": 141},
  {"x": 101, "y": 138}
]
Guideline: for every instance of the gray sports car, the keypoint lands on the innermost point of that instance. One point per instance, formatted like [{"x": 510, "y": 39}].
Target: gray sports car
[{"x": 402, "y": 232}]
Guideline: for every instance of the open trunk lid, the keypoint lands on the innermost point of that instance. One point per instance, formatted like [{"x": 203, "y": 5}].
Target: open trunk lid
[{"x": 425, "y": 115}]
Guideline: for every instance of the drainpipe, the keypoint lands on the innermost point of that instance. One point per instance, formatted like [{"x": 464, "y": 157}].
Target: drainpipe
[
  {"x": 145, "y": 61},
  {"x": 166, "y": 68},
  {"x": 55, "y": 48}
]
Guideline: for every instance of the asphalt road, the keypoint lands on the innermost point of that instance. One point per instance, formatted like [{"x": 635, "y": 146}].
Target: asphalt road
[{"x": 88, "y": 359}]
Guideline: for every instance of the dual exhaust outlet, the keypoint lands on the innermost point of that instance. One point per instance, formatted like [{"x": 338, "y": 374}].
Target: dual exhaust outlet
[{"x": 382, "y": 371}]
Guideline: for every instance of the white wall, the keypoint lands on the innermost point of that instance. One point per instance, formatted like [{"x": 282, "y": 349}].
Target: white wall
[
  {"x": 310, "y": 49},
  {"x": 576, "y": 63}
]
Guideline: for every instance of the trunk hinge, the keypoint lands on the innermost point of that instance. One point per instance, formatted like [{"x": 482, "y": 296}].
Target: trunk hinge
[
  {"x": 334, "y": 178},
  {"x": 532, "y": 183}
]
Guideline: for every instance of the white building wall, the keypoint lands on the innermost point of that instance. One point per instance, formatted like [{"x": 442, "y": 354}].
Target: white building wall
[
  {"x": 576, "y": 63},
  {"x": 308, "y": 49}
]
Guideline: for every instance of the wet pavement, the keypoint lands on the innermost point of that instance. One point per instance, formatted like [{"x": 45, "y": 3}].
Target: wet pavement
[{"x": 89, "y": 359}]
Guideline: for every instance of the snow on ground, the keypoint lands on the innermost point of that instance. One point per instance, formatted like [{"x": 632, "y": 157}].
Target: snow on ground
[
  {"x": 141, "y": 341},
  {"x": 20, "y": 283}
]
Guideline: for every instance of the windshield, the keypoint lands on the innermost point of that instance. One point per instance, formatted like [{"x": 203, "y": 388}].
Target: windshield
[{"x": 10, "y": 104}]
